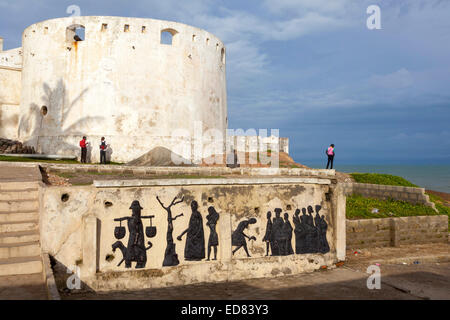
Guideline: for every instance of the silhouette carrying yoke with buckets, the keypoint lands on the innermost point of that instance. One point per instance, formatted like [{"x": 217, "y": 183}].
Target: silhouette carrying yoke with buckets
[{"x": 136, "y": 250}]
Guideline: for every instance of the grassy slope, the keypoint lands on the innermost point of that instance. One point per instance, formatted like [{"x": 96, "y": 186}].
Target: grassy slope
[
  {"x": 385, "y": 179},
  {"x": 360, "y": 208}
]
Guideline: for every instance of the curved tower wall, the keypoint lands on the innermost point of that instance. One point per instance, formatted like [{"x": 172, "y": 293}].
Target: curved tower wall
[{"x": 121, "y": 83}]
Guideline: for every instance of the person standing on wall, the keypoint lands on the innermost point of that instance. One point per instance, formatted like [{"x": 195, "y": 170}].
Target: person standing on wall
[
  {"x": 83, "y": 146},
  {"x": 103, "y": 147},
  {"x": 330, "y": 153}
]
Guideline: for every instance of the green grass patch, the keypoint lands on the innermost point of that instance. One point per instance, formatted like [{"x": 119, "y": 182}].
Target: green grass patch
[
  {"x": 19, "y": 159},
  {"x": 359, "y": 207},
  {"x": 378, "y": 178},
  {"x": 439, "y": 203},
  {"x": 184, "y": 176},
  {"x": 65, "y": 175}
]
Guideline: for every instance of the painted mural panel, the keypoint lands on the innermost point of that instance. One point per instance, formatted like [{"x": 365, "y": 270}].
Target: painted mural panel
[{"x": 199, "y": 224}]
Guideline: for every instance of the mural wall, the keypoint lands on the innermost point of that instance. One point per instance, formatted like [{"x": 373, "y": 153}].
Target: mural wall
[{"x": 204, "y": 228}]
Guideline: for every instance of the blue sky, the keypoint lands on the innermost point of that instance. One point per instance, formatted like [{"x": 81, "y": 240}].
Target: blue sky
[{"x": 312, "y": 69}]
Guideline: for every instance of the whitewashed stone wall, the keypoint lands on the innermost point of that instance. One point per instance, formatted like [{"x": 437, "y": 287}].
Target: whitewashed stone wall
[
  {"x": 10, "y": 90},
  {"x": 78, "y": 229},
  {"x": 121, "y": 83}
]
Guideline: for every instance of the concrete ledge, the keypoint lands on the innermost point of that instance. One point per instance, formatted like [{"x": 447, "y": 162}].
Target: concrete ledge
[
  {"x": 225, "y": 181},
  {"x": 49, "y": 279},
  {"x": 207, "y": 171}
]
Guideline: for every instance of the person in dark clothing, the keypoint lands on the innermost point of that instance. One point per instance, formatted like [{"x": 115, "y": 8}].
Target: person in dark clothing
[
  {"x": 238, "y": 236},
  {"x": 287, "y": 230},
  {"x": 278, "y": 236},
  {"x": 268, "y": 236},
  {"x": 194, "y": 249},
  {"x": 103, "y": 147},
  {"x": 213, "y": 240},
  {"x": 83, "y": 146},
  {"x": 330, "y": 153}
]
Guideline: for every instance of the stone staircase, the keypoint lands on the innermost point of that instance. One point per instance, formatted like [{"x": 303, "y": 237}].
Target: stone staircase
[{"x": 20, "y": 251}]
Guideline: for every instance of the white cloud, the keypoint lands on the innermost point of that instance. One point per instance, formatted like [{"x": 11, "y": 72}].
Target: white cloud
[{"x": 397, "y": 80}]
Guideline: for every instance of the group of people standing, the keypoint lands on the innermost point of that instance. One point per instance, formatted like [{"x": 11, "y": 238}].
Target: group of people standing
[
  {"x": 194, "y": 249},
  {"x": 103, "y": 147},
  {"x": 310, "y": 233}
]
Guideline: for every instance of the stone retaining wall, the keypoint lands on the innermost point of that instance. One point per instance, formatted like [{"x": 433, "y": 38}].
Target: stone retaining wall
[
  {"x": 409, "y": 194},
  {"x": 78, "y": 229},
  {"x": 201, "y": 171},
  {"x": 387, "y": 232}
]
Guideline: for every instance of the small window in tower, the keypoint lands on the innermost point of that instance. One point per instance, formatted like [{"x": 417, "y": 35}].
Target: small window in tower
[
  {"x": 193, "y": 38},
  {"x": 75, "y": 32},
  {"x": 222, "y": 55},
  {"x": 143, "y": 29},
  {"x": 126, "y": 28},
  {"x": 207, "y": 41},
  {"x": 104, "y": 26},
  {"x": 45, "y": 30},
  {"x": 167, "y": 36}
]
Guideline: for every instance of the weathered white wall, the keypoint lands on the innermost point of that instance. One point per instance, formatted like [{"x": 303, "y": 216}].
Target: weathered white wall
[
  {"x": 10, "y": 89},
  {"x": 258, "y": 143},
  {"x": 125, "y": 86},
  {"x": 11, "y": 58},
  {"x": 81, "y": 230}
]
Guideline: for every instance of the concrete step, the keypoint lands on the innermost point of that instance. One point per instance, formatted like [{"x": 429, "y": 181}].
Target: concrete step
[
  {"x": 19, "y": 237},
  {"x": 18, "y": 205},
  {"x": 24, "y": 215},
  {"x": 7, "y": 186},
  {"x": 16, "y": 250},
  {"x": 14, "y": 226},
  {"x": 16, "y": 195},
  {"x": 23, "y": 265}
]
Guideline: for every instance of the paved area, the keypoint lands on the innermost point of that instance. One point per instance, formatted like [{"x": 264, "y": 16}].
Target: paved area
[
  {"x": 23, "y": 287},
  {"x": 425, "y": 278},
  {"x": 11, "y": 173},
  {"x": 339, "y": 283}
]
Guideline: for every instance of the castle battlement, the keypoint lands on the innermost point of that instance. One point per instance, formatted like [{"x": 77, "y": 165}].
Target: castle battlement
[{"x": 134, "y": 81}]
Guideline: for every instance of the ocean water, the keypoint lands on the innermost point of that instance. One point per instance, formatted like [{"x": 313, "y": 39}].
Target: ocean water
[{"x": 433, "y": 177}]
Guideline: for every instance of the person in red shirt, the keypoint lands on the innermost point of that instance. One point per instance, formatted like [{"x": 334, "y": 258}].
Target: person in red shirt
[{"x": 83, "y": 146}]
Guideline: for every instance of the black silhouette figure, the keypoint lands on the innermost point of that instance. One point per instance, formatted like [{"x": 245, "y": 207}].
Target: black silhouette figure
[
  {"x": 194, "y": 249},
  {"x": 322, "y": 227},
  {"x": 312, "y": 234},
  {"x": 170, "y": 255},
  {"x": 136, "y": 250},
  {"x": 268, "y": 237},
  {"x": 238, "y": 237},
  {"x": 287, "y": 234},
  {"x": 300, "y": 232},
  {"x": 279, "y": 241},
  {"x": 213, "y": 240}
]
